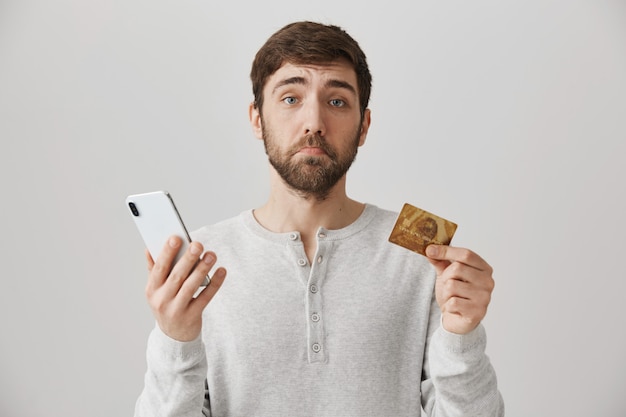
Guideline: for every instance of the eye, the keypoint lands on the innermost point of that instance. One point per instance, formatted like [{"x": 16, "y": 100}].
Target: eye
[
  {"x": 337, "y": 102},
  {"x": 290, "y": 100}
]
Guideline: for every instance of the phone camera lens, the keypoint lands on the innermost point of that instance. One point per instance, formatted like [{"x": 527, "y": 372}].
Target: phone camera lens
[{"x": 133, "y": 209}]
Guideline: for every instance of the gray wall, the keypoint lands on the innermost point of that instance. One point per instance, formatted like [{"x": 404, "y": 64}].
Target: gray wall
[{"x": 506, "y": 117}]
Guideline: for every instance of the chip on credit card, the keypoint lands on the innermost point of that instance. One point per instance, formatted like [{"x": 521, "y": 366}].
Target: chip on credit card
[{"x": 415, "y": 229}]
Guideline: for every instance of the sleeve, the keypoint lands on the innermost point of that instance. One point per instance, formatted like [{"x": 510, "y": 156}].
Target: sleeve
[
  {"x": 175, "y": 380},
  {"x": 458, "y": 378}
]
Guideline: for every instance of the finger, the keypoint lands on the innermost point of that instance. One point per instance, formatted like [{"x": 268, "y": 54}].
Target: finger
[
  {"x": 183, "y": 268},
  {"x": 470, "y": 313},
  {"x": 149, "y": 260},
  {"x": 454, "y": 254},
  {"x": 452, "y": 288},
  {"x": 456, "y": 305},
  {"x": 207, "y": 294},
  {"x": 463, "y": 272},
  {"x": 439, "y": 266},
  {"x": 163, "y": 264},
  {"x": 460, "y": 280},
  {"x": 464, "y": 308},
  {"x": 189, "y": 288}
]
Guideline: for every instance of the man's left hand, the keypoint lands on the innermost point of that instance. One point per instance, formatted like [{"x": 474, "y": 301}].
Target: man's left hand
[{"x": 464, "y": 286}]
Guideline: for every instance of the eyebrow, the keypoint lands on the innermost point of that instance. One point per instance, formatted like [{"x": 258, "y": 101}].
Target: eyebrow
[
  {"x": 341, "y": 84},
  {"x": 289, "y": 81},
  {"x": 332, "y": 83}
]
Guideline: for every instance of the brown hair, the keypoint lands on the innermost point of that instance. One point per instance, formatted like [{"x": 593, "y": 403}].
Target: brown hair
[{"x": 309, "y": 43}]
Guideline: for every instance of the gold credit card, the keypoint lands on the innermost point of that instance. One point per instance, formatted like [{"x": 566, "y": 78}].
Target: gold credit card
[{"x": 415, "y": 229}]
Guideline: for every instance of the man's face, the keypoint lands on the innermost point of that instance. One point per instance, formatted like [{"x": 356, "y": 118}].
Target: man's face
[{"x": 311, "y": 125}]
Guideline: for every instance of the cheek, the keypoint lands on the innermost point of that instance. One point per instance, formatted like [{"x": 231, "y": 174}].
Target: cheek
[{"x": 349, "y": 130}]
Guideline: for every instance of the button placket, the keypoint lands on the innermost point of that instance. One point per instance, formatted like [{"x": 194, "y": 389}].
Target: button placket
[
  {"x": 315, "y": 326},
  {"x": 315, "y": 317},
  {"x": 295, "y": 248}
]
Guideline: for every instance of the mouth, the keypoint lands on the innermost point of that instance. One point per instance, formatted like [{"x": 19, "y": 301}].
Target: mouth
[
  {"x": 313, "y": 147},
  {"x": 311, "y": 151}
]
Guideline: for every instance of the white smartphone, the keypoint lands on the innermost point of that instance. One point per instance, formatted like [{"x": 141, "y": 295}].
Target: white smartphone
[{"x": 157, "y": 219}]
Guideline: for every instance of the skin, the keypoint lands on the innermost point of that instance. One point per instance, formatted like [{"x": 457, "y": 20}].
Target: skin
[
  {"x": 463, "y": 288},
  {"x": 312, "y": 165},
  {"x": 304, "y": 100},
  {"x": 170, "y": 294}
]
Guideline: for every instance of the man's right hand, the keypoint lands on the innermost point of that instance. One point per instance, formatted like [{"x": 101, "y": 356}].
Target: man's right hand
[{"x": 170, "y": 290}]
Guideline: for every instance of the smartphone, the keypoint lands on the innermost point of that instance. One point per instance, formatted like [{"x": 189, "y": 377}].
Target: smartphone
[{"x": 157, "y": 218}]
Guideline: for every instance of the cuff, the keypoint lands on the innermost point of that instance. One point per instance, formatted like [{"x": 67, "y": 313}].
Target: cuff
[
  {"x": 462, "y": 343},
  {"x": 163, "y": 346}
]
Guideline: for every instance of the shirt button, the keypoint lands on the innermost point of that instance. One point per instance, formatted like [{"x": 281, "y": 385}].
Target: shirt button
[
  {"x": 321, "y": 235},
  {"x": 302, "y": 262},
  {"x": 314, "y": 288},
  {"x": 293, "y": 236},
  {"x": 315, "y": 317},
  {"x": 316, "y": 347}
]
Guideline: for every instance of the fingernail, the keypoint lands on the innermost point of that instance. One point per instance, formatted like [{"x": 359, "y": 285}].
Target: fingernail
[
  {"x": 173, "y": 242},
  {"x": 194, "y": 250},
  {"x": 208, "y": 258},
  {"x": 432, "y": 250}
]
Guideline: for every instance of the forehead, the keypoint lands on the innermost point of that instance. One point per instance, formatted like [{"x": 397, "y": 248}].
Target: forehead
[{"x": 340, "y": 70}]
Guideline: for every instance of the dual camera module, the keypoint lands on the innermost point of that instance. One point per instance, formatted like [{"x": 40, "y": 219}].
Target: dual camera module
[{"x": 133, "y": 209}]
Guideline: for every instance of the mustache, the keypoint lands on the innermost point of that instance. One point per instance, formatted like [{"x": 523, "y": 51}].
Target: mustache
[{"x": 316, "y": 141}]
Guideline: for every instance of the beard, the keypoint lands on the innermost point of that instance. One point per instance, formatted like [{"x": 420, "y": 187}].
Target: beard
[{"x": 311, "y": 176}]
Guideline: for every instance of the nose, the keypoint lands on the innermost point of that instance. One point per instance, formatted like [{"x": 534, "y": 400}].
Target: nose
[{"x": 314, "y": 119}]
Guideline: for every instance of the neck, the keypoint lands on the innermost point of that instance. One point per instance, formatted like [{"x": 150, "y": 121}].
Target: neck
[{"x": 287, "y": 210}]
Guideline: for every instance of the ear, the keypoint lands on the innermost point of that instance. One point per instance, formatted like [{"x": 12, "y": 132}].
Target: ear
[
  {"x": 365, "y": 126},
  {"x": 255, "y": 120}
]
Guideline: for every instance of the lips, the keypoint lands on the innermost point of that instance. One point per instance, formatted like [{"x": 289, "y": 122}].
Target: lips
[
  {"x": 313, "y": 145},
  {"x": 312, "y": 150}
]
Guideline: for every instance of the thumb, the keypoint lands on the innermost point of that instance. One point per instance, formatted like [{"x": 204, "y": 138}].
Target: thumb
[{"x": 432, "y": 252}]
